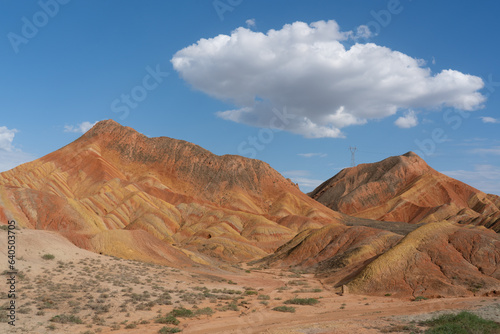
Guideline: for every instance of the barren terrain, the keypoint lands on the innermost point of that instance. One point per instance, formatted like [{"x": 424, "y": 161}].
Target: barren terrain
[{"x": 82, "y": 292}]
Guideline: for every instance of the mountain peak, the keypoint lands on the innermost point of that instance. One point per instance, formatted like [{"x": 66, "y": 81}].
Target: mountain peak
[
  {"x": 107, "y": 126},
  {"x": 411, "y": 154},
  {"x": 405, "y": 189}
]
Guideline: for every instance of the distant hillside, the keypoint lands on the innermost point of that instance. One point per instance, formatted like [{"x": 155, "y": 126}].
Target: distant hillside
[{"x": 405, "y": 189}]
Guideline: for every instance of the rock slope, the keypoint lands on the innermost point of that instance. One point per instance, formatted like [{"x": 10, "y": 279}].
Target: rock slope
[
  {"x": 440, "y": 259},
  {"x": 405, "y": 189},
  {"x": 118, "y": 192}
]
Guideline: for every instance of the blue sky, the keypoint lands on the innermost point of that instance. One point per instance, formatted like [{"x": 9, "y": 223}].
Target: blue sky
[{"x": 292, "y": 83}]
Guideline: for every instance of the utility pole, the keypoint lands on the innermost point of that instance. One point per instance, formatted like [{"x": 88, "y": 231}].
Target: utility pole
[{"x": 353, "y": 150}]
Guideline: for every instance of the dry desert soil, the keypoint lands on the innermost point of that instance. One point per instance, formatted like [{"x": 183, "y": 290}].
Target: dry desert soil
[{"x": 78, "y": 291}]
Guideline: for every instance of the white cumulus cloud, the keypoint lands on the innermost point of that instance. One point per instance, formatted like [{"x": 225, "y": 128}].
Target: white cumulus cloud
[
  {"x": 324, "y": 84},
  {"x": 80, "y": 128},
  {"x": 490, "y": 120},
  {"x": 409, "y": 120}
]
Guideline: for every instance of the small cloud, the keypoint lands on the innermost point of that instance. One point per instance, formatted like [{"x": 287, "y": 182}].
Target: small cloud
[
  {"x": 310, "y": 155},
  {"x": 250, "y": 23},
  {"x": 6, "y": 138},
  {"x": 433, "y": 61},
  {"x": 300, "y": 177},
  {"x": 363, "y": 32},
  {"x": 80, "y": 128},
  {"x": 493, "y": 150},
  {"x": 10, "y": 156},
  {"x": 409, "y": 120},
  {"x": 490, "y": 120}
]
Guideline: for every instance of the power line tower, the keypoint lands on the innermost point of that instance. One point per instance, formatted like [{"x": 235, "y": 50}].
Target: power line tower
[{"x": 353, "y": 150}]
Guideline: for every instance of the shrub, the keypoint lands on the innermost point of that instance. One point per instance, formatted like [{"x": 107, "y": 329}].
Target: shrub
[
  {"x": 166, "y": 330},
  {"x": 302, "y": 301},
  {"x": 204, "y": 311},
  {"x": 182, "y": 312},
  {"x": 419, "y": 298},
  {"x": 48, "y": 257},
  {"x": 263, "y": 297},
  {"x": 251, "y": 292},
  {"x": 284, "y": 309},
  {"x": 168, "y": 319},
  {"x": 64, "y": 319},
  {"x": 464, "y": 322}
]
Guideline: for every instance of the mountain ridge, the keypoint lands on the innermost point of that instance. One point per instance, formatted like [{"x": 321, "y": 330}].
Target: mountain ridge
[
  {"x": 406, "y": 189},
  {"x": 113, "y": 179}
]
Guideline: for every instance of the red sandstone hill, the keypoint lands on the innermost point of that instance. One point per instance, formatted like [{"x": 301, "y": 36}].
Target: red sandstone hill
[
  {"x": 440, "y": 259},
  {"x": 405, "y": 189},
  {"x": 118, "y": 192}
]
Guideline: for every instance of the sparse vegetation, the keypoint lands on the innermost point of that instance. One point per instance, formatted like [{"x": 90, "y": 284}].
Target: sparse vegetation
[
  {"x": 168, "y": 319},
  {"x": 461, "y": 323},
  {"x": 290, "y": 309},
  {"x": 419, "y": 298},
  {"x": 166, "y": 330},
  {"x": 182, "y": 312},
  {"x": 204, "y": 311},
  {"x": 64, "y": 319},
  {"x": 302, "y": 301},
  {"x": 48, "y": 257}
]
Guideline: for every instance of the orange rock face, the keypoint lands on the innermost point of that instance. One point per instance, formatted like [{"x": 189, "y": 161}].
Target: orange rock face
[
  {"x": 118, "y": 192},
  {"x": 436, "y": 260},
  {"x": 406, "y": 189}
]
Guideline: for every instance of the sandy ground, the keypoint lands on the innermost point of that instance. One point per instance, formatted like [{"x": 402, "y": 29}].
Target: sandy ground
[{"x": 111, "y": 295}]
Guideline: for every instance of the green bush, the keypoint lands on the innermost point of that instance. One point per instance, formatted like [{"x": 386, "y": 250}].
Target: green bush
[
  {"x": 419, "y": 298},
  {"x": 166, "y": 330},
  {"x": 302, "y": 301},
  {"x": 284, "y": 309},
  {"x": 48, "y": 257},
  {"x": 64, "y": 319},
  {"x": 168, "y": 319},
  {"x": 464, "y": 322},
  {"x": 182, "y": 312}
]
